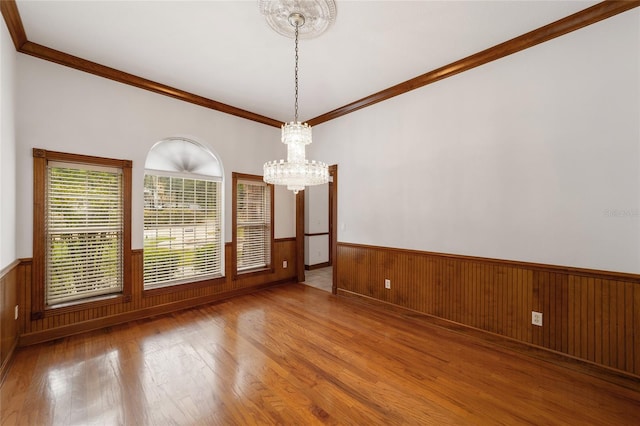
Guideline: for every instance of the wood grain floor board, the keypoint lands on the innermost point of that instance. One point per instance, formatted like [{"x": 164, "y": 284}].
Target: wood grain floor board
[{"x": 297, "y": 355}]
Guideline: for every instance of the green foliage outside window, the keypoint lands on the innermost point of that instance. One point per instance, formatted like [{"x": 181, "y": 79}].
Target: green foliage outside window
[
  {"x": 84, "y": 231},
  {"x": 181, "y": 229}
]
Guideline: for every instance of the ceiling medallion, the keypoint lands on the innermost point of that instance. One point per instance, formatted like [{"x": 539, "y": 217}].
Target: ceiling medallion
[{"x": 318, "y": 14}]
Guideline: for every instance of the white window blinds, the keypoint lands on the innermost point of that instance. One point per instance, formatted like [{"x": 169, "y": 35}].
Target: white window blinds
[
  {"x": 84, "y": 231},
  {"x": 182, "y": 235},
  {"x": 253, "y": 225}
]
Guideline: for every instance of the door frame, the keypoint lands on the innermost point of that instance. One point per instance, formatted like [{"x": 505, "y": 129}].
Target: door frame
[{"x": 333, "y": 229}]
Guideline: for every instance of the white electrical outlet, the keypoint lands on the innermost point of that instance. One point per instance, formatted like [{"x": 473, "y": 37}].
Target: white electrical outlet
[
  {"x": 15, "y": 312},
  {"x": 285, "y": 264},
  {"x": 536, "y": 318},
  {"x": 387, "y": 284}
]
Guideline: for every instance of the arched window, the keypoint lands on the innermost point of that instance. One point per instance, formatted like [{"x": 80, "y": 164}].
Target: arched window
[{"x": 183, "y": 239}]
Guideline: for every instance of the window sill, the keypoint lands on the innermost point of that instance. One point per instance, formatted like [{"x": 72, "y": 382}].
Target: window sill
[
  {"x": 175, "y": 288},
  {"x": 253, "y": 272},
  {"x": 85, "y": 304}
]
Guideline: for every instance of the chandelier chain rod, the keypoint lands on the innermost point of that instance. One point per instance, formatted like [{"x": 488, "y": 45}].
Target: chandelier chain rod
[
  {"x": 296, "y": 172},
  {"x": 296, "y": 76}
]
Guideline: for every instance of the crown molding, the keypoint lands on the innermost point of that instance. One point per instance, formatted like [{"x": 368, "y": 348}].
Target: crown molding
[
  {"x": 65, "y": 59},
  {"x": 578, "y": 20},
  {"x": 16, "y": 29},
  {"x": 11, "y": 16},
  {"x": 586, "y": 17}
]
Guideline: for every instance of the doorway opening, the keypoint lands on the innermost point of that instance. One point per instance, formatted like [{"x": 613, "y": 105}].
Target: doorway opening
[{"x": 316, "y": 212}]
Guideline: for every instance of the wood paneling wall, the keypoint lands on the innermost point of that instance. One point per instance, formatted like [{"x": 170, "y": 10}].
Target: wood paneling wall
[
  {"x": 8, "y": 324},
  {"x": 587, "y": 314},
  {"x": 146, "y": 304}
]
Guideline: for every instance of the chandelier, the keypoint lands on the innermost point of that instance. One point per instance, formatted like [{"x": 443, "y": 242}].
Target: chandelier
[{"x": 297, "y": 172}]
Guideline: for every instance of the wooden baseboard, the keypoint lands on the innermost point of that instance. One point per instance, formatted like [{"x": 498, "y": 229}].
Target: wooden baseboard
[
  {"x": 99, "y": 323},
  {"x": 612, "y": 375},
  {"x": 317, "y": 266},
  {"x": 6, "y": 364}
]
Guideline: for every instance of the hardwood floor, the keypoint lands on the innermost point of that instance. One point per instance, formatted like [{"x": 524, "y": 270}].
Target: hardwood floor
[{"x": 297, "y": 355}]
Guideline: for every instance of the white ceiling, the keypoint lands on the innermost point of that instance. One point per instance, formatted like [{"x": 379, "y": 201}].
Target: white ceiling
[{"x": 224, "y": 50}]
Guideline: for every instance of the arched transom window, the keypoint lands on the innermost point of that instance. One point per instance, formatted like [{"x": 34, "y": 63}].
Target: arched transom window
[{"x": 183, "y": 239}]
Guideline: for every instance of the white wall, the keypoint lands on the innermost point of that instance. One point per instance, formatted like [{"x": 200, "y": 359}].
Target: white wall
[
  {"x": 316, "y": 250},
  {"x": 316, "y": 209},
  {"x": 316, "y": 212},
  {"x": 285, "y": 208},
  {"x": 7, "y": 149},
  {"x": 66, "y": 110},
  {"x": 534, "y": 157}
]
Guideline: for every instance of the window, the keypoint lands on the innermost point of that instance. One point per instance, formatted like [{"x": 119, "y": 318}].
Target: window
[
  {"x": 252, "y": 223},
  {"x": 182, "y": 214},
  {"x": 82, "y": 235}
]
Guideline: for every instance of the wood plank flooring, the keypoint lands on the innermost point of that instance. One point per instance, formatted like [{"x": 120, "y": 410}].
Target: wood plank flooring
[{"x": 297, "y": 355}]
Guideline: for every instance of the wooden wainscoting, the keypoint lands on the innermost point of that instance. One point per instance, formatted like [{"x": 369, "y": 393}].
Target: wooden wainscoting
[
  {"x": 590, "y": 315},
  {"x": 146, "y": 304},
  {"x": 8, "y": 324}
]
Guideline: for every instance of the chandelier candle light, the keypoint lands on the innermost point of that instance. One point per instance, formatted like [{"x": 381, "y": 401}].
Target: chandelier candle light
[{"x": 297, "y": 172}]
